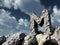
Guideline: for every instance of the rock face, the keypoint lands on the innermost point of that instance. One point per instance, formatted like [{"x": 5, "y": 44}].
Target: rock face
[
  {"x": 44, "y": 20},
  {"x": 56, "y": 35},
  {"x": 49, "y": 37},
  {"x": 30, "y": 40},
  {"x": 2, "y": 39},
  {"x": 42, "y": 38},
  {"x": 13, "y": 39}
]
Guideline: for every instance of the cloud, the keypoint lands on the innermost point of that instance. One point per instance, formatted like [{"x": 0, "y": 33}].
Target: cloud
[
  {"x": 24, "y": 5},
  {"x": 50, "y": 3},
  {"x": 11, "y": 3},
  {"x": 37, "y": 0},
  {"x": 56, "y": 10},
  {"x": 32, "y": 6},
  {"x": 24, "y": 22},
  {"x": 9, "y": 24},
  {"x": 23, "y": 25},
  {"x": 21, "y": 21},
  {"x": 55, "y": 16},
  {"x": 16, "y": 4}
]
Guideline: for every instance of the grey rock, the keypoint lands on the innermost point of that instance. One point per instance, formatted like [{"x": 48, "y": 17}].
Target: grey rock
[
  {"x": 2, "y": 39},
  {"x": 56, "y": 35},
  {"x": 35, "y": 37},
  {"x": 14, "y": 39},
  {"x": 42, "y": 38},
  {"x": 44, "y": 19},
  {"x": 30, "y": 40}
]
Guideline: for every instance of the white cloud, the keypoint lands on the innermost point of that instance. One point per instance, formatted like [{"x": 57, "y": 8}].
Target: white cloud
[
  {"x": 10, "y": 3},
  {"x": 7, "y": 3},
  {"x": 55, "y": 16},
  {"x": 7, "y": 20},
  {"x": 24, "y": 5},
  {"x": 16, "y": 4},
  {"x": 13, "y": 3},
  {"x": 21, "y": 22},
  {"x": 23, "y": 25},
  {"x": 9, "y": 24},
  {"x": 24, "y": 22},
  {"x": 56, "y": 10}
]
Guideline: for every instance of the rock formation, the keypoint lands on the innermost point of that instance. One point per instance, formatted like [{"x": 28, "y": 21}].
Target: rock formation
[
  {"x": 44, "y": 20},
  {"x": 14, "y": 39},
  {"x": 2, "y": 39},
  {"x": 56, "y": 35},
  {"x": 30, "y": 40},
  {"x": 42, "y": 38},
  {"x": 49, "y": 37}
]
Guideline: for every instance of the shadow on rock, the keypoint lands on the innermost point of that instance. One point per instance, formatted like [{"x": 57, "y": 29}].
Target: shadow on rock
[
  {"x": 51, "y": 42},
  {"x": 2, "y": 40}
]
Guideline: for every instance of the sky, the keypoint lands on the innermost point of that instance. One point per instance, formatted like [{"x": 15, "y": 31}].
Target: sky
[{"x": 14, "y": 14}]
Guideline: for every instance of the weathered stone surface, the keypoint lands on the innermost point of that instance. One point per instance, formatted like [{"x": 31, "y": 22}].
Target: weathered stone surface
[
  {"x": 42, "y": 38},
  {"x": 30, "y": 40},
  {"x": 56, "y": 35},
  {"x": 44, "y": 19},
  {"x": 2, "y": 39},
  {"x": 35, "y": 37},
  {"x": 14, "y": 39},
  {"x": 47, "y": 21}
]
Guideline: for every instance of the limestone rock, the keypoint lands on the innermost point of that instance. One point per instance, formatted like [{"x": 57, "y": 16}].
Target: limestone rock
[
  {"x": 49, "y": 37},
  {"x": 42, "y": 38},
  {"x": 44, "y": 20},
  {"x": 56, "y": 35},
  {"x": 30, "y": 40},
  {"x": 14, "y": 39}
]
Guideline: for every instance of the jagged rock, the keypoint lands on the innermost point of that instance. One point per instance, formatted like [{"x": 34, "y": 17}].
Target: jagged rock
[
  {"x": 44, "y": 20},
  {"x": 42, "y": 38},
  {"x": 30, "y": 40},
  {"x": 35, "y": 37},
  {"x": 14, "y": 39},
  {"x": 21, "y": 36},
  {"x": 2, "y": 39},
  {"x": 56, "y": 35}
]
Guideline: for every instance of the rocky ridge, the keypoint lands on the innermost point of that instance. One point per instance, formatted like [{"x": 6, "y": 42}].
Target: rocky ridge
[{"x": 49, "y": 37}]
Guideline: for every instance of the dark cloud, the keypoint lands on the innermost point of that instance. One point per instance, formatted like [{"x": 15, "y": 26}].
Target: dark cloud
[
  {"x": 17, "y": 13},
  {"x": 50, "y": 3}
]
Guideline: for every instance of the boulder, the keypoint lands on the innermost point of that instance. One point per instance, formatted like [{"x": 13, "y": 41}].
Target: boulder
[{"x": 42, "y": 38}]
